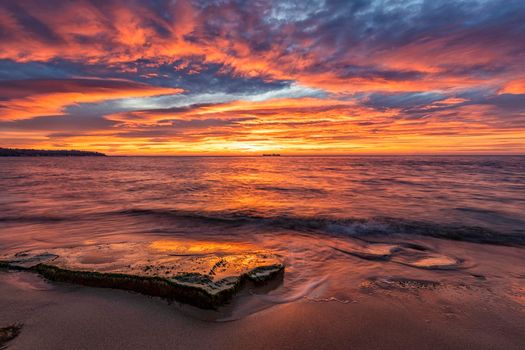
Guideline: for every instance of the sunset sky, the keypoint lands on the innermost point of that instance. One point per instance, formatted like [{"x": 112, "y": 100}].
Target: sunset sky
[{"x": 248, "y": 77}]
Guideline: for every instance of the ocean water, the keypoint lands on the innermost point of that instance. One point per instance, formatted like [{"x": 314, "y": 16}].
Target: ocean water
[
  {"x": 465, "y": 198},
  {"x": 300, "y": 207}
]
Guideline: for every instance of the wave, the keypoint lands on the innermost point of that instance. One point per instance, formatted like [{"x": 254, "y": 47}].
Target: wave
[
  {"x": 356, "y": 227},
  {"x": 345, "y": 226}
]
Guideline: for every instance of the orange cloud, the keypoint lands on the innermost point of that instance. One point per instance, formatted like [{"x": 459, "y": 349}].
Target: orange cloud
[
  {"x": 31, "y": 98},
  {"x": 304, "y": 126},
  {"x": 514, "y": 87}
]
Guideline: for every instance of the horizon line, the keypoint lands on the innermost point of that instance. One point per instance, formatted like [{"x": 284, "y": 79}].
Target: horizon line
[{"x": 319, "y": 155}]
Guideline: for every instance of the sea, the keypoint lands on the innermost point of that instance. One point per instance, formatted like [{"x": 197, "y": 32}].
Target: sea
[{"x": 299, "y": 207}]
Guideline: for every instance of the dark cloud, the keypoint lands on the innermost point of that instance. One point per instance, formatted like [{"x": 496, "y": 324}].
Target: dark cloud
[
  {"x": 75, "y": 123},
  {"x": 11, "y": 89},
  {"x": 506, "y": 102},
  {"x": 32, "y": 24},
  {"x": 403, "y": 100}
]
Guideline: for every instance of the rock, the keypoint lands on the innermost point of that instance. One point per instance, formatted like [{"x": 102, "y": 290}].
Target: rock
[
  {"x": 203, "y": 274},
  {"x": 9, "y": 333},
  {"x": 390, "y": 283},
  {"x": 25, "y": 260},
  {"x": 402, "y": 253},
  {"x": 376, "y": 251}
]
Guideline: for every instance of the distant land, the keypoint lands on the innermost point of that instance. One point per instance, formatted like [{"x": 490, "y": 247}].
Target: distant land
[{"x": 17, "y": 152}]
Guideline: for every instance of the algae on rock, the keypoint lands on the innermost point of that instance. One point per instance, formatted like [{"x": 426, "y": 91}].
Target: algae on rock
[{"x": 205, "y": 274}]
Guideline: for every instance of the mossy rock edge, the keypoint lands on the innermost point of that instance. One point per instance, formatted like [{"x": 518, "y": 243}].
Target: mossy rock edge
[{"x": 155, "y": 286}]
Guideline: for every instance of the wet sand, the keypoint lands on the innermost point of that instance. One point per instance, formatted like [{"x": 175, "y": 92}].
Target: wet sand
[{"x": 62, "y": 316}]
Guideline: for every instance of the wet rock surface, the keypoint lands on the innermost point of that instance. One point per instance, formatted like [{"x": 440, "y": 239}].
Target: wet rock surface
[
  {"x": 413, "y": 255},
  {"x": 204, "y": 274},
  {"x": 403, "y": 283}
]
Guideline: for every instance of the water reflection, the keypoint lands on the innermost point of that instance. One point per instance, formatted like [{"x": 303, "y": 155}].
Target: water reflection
[{"x": 200, "y": 247}]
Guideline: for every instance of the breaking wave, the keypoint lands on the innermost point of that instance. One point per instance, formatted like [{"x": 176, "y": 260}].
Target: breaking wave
[{"x": 357, "y": 227}]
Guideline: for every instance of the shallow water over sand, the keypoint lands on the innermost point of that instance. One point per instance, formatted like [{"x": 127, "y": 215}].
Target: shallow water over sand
[{"x": 344, "y": 226}]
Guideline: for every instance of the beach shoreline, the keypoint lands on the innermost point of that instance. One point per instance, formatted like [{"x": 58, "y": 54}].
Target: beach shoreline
[
  {"x": 88, "y": 318},
  {"x": 389, "y": 313}
]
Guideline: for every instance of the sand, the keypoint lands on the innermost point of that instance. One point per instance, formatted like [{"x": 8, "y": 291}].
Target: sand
[{"x": 61, "y": 316}]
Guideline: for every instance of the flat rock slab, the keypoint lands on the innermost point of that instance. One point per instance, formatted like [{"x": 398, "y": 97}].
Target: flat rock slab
[
  {"x": 412, "y": 255},
  {"x": 204, "y": 274}
]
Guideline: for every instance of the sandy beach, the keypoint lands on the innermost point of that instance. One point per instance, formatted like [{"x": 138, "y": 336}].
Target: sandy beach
[{"x": 407, "y": 314}]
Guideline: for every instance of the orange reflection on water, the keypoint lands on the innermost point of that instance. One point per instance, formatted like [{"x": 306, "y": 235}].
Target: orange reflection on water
[{"x": 201, "y": 247}]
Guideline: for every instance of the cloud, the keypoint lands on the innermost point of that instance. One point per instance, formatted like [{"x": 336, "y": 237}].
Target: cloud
[
  {"x": 71, "y": 123},
  {"x": 234, "y": 76},
  {"x": 302, "y": 41},
  {"x": 22, "y": 99},
  {"x": 516, "y": 86}
]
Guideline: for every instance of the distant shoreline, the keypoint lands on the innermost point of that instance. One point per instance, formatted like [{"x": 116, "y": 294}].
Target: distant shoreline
[{"x": 18, "y": 152}]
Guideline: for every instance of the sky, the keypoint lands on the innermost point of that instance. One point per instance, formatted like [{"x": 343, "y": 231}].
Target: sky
[{"x": 220, "y": 77}]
